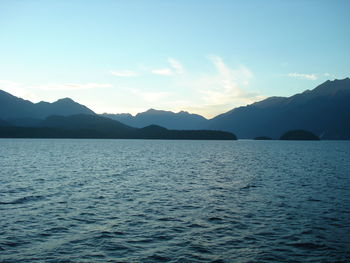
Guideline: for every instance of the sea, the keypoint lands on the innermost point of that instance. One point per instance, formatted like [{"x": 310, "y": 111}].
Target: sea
[{"x": 77, "y": 200}]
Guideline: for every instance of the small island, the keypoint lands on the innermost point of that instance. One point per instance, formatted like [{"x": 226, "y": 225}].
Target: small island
[{"x": 299, "y": 135}]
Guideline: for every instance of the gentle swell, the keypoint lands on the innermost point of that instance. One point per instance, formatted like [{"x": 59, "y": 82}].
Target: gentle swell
[
  {"x": 174, "y": 201},
  {"x": 23, "y": 200}
]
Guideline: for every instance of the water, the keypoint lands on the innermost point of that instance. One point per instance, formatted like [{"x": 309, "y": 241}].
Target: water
[{"x": 174, "y": 201}]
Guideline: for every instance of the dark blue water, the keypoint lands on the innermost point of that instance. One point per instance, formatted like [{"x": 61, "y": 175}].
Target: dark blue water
[{"x": 174, "y": 201}]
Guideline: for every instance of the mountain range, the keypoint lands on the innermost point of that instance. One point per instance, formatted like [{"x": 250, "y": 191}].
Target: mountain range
[
  {"x": 98, "y": 127},
  {"x": 179, "y": 121},
  {"x": 66, "y": 118},
  {"x": 324, "y": 110},
  {"x": 25, "y": 113}
]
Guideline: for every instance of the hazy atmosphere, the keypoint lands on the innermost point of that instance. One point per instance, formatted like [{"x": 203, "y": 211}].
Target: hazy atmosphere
[{"x": 205, "y": 57}]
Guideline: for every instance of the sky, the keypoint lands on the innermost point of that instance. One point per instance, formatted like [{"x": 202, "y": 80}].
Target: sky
[{"x": 205, "y": 57}]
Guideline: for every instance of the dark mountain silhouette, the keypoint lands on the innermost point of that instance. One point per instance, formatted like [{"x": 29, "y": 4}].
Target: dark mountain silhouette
[
  {"x": 64, "y": 107},
  {"x": 157, "y": 132},
  {"x": 25, "y": 122},
  {"x": 125, "y": 118},
  {"x": 324, "y": 111},
  {"x": 94, "y": 126},
  {"x": 103, "y": 126},
  {"x": 17, "y": 109},
  {"x": 300, "y": 135},
  {"x": 170, "y": 120},
  {"x": 83, "y": 121}
]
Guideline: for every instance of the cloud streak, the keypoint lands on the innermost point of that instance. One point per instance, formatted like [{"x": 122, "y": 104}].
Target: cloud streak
[
  {"x": 175, "y": 68},
  {"x": 162, "y": 72},
  {"x": 207, "y": 93},
  {"x": 302, "y": 76},
  {"x": 225, "y": 89},
  {"x": 176, "y": 65},
  {"x": 204, "y": 93}
]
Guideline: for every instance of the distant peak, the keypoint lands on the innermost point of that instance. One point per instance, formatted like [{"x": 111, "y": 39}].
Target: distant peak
[
  {"x": 42, "y": 102},
  {"x": 345, "y": 79},
  {"x": 337, "y": 80},
  {"x": 65, "y": 100},
  {"x": 154, "y": 111},
  {"x": 116, "y": 114},
  {"x": 151, "y": 110}
]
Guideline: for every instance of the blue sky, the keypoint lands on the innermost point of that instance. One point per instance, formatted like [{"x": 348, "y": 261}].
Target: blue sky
[{"x": 205, "y": 57}]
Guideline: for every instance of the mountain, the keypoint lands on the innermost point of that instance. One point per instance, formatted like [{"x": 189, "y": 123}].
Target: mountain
[
  {"x": 103, "y": 127},
  {"x": 94, "y": 126},
  {"x": 17, "y": 109},
  {"x": 325, "y": 111},
  {"x": 157, "y": 132},
  {"x": 126, "y": 118},
  {"x": 63, "y": 107},
  {"x": 179, "y": 121},
  {"x": 25, "y": 122}
]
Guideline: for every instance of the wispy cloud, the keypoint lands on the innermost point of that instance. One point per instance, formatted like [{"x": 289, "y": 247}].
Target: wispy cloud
[
  {"x": 73, "y": 86},
  {"x": 176, "y": 65},
  {"x": 207, "y": 93},
  {"x": 175, "y": 68},
  {"x": 225, "y": 89},
  {"x": 163, "y": 72},
  {"x": 123, "y": 73},
  {"x": 303, "y": 76}
]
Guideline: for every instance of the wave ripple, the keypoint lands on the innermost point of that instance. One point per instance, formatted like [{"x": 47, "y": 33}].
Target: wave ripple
[{"x": 174, "y": 201}]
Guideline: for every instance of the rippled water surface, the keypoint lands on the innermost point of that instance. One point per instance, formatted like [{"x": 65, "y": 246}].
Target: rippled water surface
[{"x": 174, "y": 201}]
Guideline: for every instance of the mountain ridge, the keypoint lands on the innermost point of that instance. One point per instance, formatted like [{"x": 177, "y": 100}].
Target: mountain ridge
[
  {"x": 182, "y": 120},
  {"x": 95, "y": 126},
  {"x": 324, "y": 110},
  {"x": 12, "y": 107}
]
